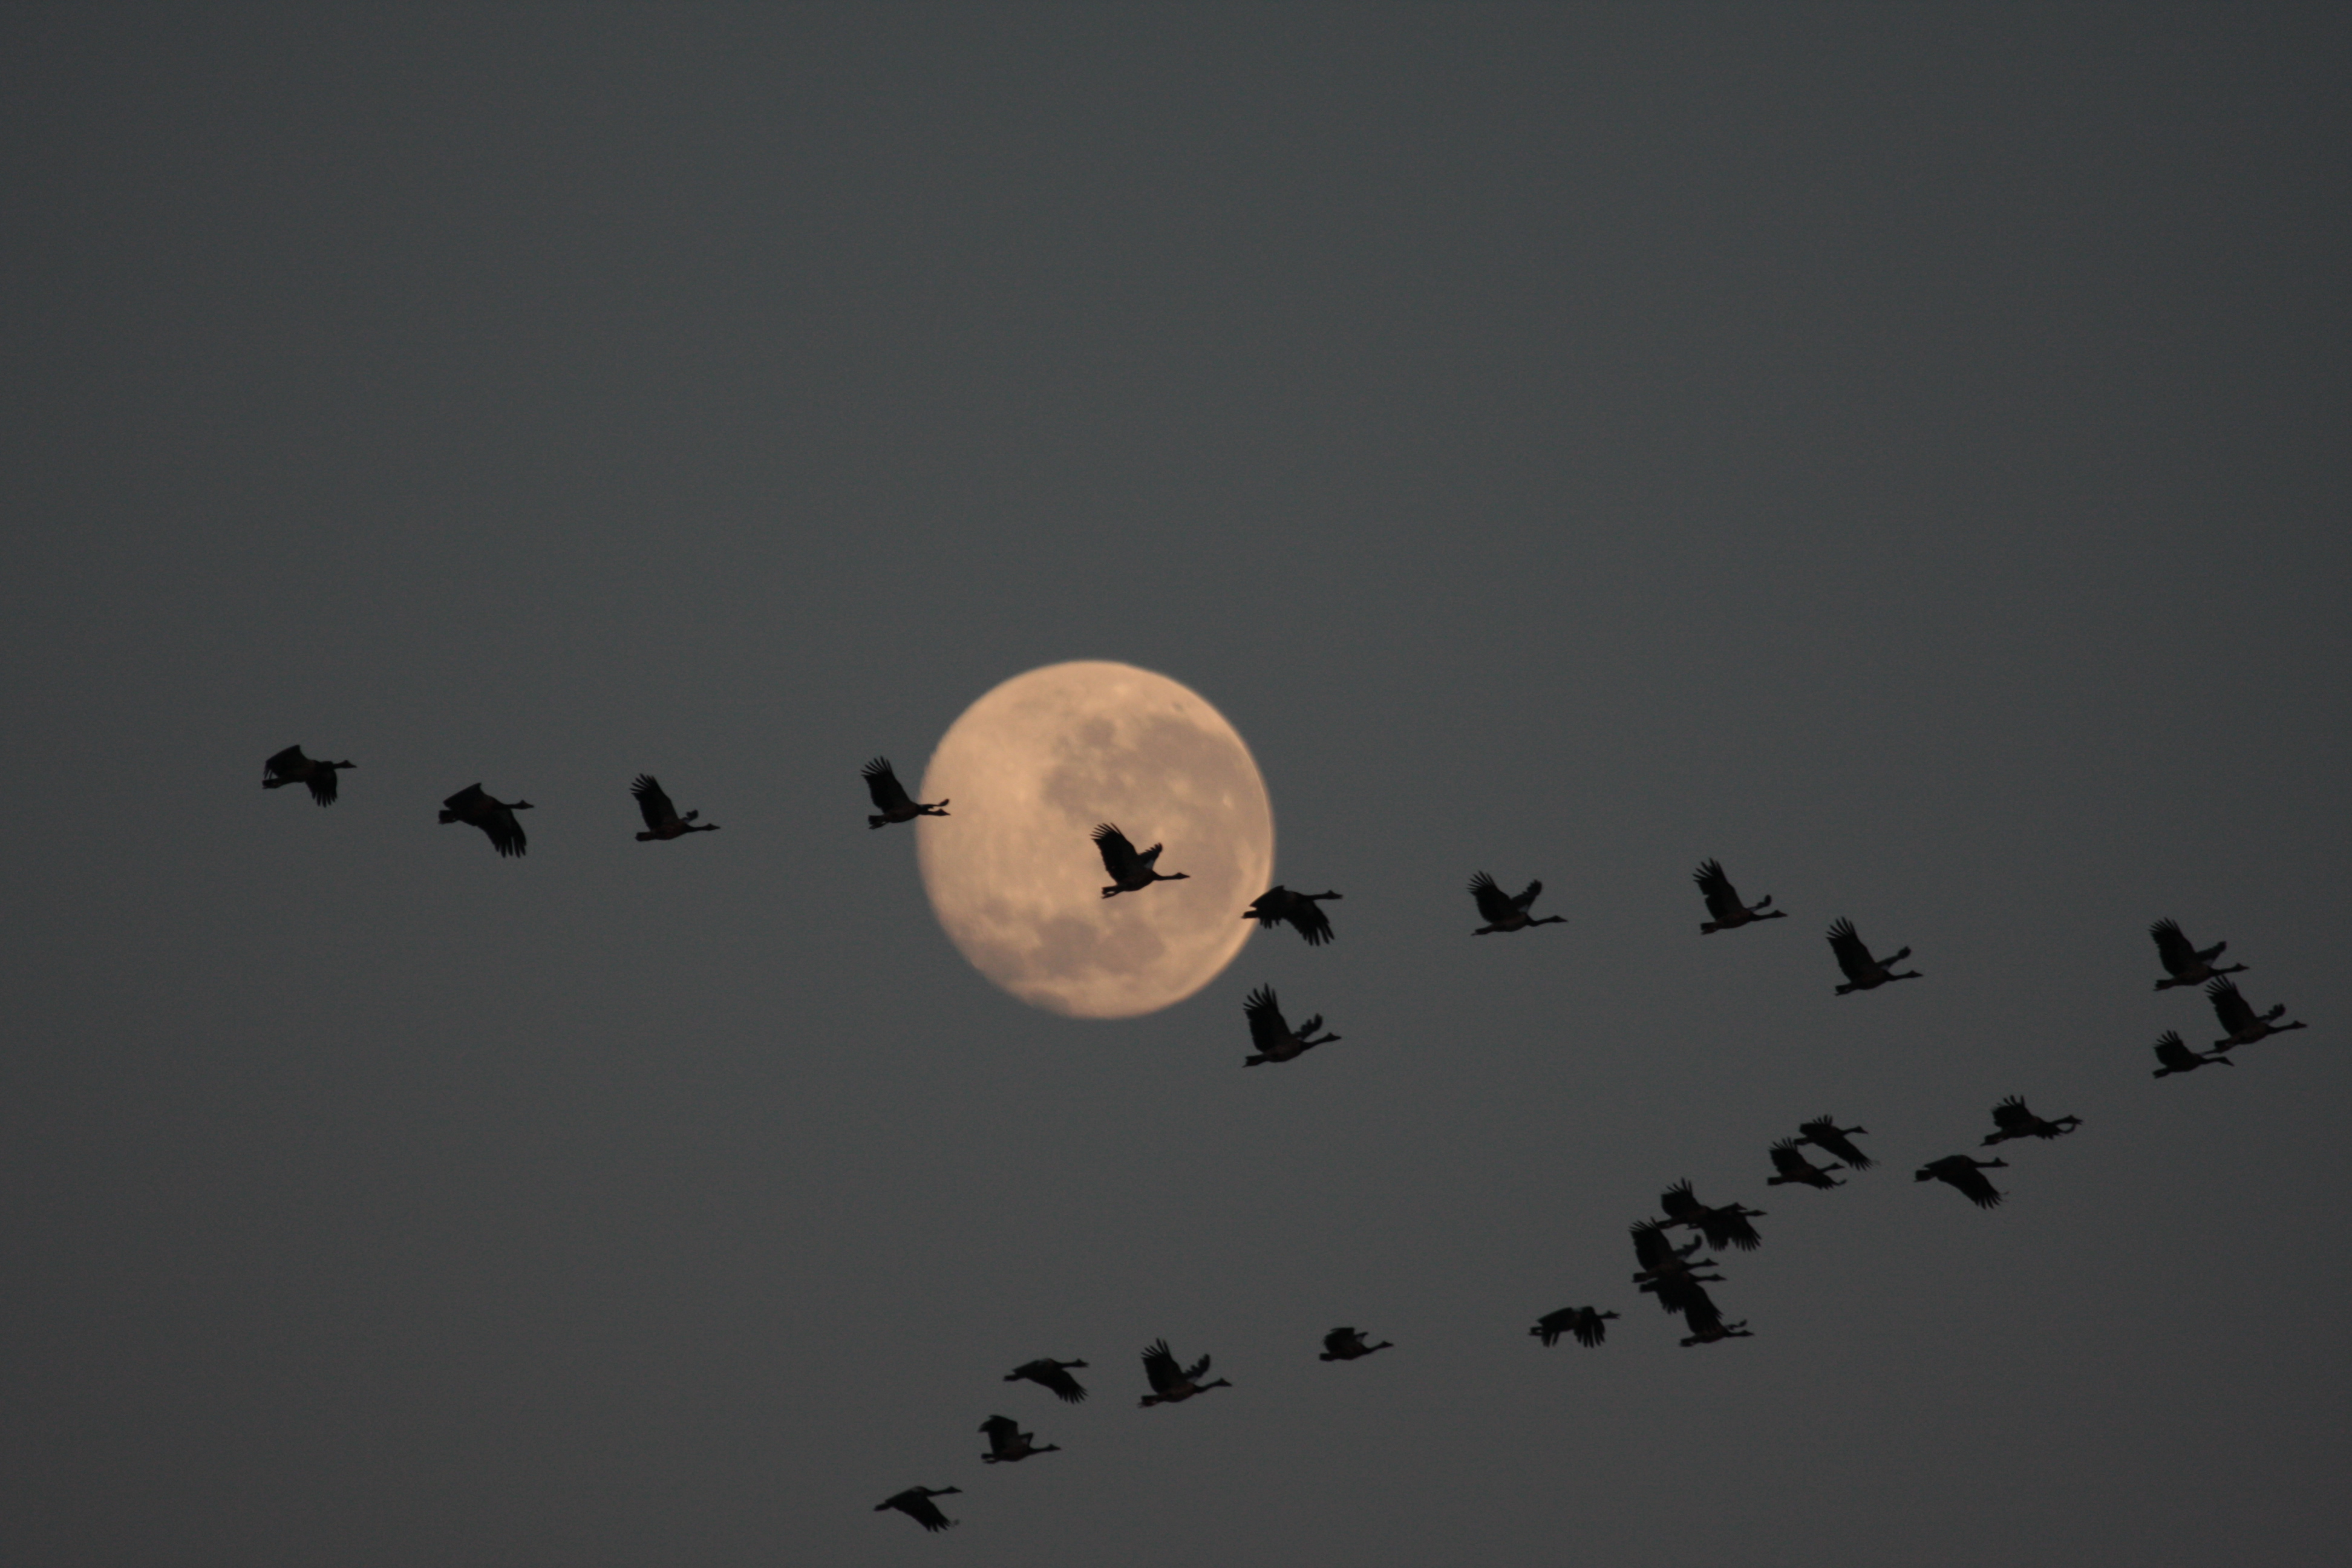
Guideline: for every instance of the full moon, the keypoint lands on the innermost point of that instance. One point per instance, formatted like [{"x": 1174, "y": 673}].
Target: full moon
[{"x": 1014, "y": 876}]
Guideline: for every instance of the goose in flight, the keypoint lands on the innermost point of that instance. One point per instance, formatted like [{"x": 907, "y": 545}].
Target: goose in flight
[
  {"x": 1278, "y": 904},
  {"x": 1789, "y": 1163},
  {"x": 291, "y": 766},
  {"x": 2184, "y": 963},
  {"x": 1347, "y": 1345},
  {"x": 662, "y": 820},
  {"x": 1589, "y": 1326},
  {"x": 1506, "y": 911},
  {"x": 495, "y": 817},
  {"x": 1863, "y": 972},
  {"x": 1129, "y": 871},
  {"x": 2174, "y": 1056},
  {"x": 916, "y": 1503},
  {"x": 1171, "y": 1384},
  {"x": 1667, "y": 1271},
  {"x": 1723, "y": 901},
  {"x": 2238, "y": 1017},
  {"x": 890, "y": 797},
  {"x": 1706, "y": 1323},
  {"x": 1724, "y": 1226},
  {"x": 2011, "y": 1120},
  {"x": 1274, "y": 1037},
  {"x": 1966, "y": 1176},
  {"x": 1008, "y": 1445},
  {"x": 1823, "y": 1133},
  {"x": 1052, "y": 1375}
]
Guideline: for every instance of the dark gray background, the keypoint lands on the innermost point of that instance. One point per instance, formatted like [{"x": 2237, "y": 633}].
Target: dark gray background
[{"x": 1902, "y": 451}]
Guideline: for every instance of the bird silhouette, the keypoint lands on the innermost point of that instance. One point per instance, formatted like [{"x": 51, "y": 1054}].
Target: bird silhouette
[
  {"x": 1589, "y": 1326},
  {"x": 1052, "y": 1375},
  {"x": 1863, "y": 972},
  {"x": 1008, "y": 1445},
  {"x": 1129, "y": 871},
  {"x": 1965, "y": 1175},
  {"x": 890, "y": 797},
  {"x": 1823, "y": 1133},
  {"x": 1274, "y": 1037},
  {"x": 662, "y": 820},
  {"x": 1723, "y": 901},
  {"x": 1505, "y": 911},
  {"x": 1667, "y": 1271},
  {"x": 2238, "y": 1017},
  {"x": 1170, "y": 1384},
  {"x": 1347, "y": 1345},
  {"x": 495, "y": 817},
  {"x": 916, "y": 1503},
  {"x": 1789, "y": 1163},
  {"x": 1303, "y": 910},
  {"x": 2010, "y": 1119},
  {"x": 2184, "y": 963},
  {"x": 2174, "y": 1055},
  {"x": 1724, "y": 1226},
  {"x": 1705, "y": 1322},
  {"x": 291, "y": 766}
]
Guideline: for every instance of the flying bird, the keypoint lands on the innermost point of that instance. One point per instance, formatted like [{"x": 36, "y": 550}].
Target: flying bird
[
  {"x": 1863, "y": 972},
  {"x": 1505, "y": 911},
  {"x": 1724, "y": 1226},
  {"x": 1667, "y": 1271},
  {"x": 1170, "y": 1384},
  {"x": 1788, "y": 1160},
  {"x": 1008, "y": 1445},
  {"x": 1347, "y": 1345},
  {"x": 1129, "y": 872},
  {"x": 1052, "y": 1375},
  {"x": 1278, "y": 904},
  {"x": 890, "y": 797},
  {"x": 2184, "y": 964},
  {"x": 1706, "y": 1323},
  {"x": 2011, "y": 1120},
  {"x": 2238, "y": 1017},
  {"x": 1590, "y": 1327},
  {"x": 1272, "y": 1037},
  {"x": 1823, "y": 1133},
  {"x": 1723, "y": 900},
  {"x": 1966, "y": 1176},
  {"x": 291, "y": 766},
  {"x": 916, "y": 1503},
  {"x": 495, "y": 817},
  {"x": 2173, "y": 1052},
  {"x": 662, "y": 820}
]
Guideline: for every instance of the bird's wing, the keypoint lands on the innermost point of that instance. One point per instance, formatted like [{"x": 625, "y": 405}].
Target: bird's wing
[
  {"x": 1728, "y": 1227},
  {"x": 1722, "y": 899},
  {"x": 2230, "y": 1006},
  {"x": 1851, "y": 956},
  {"x": 1119, "y": 856},
  {"x": 1649, "y": 1247},
  {"x": 1192, "y": 1372},
  {"x": 1063, "y": 1385},
  {"x": 652, "y": 804},
  {"x": 1268, "y": 1029},
  {"x": 2173, "y": 946},
  {"x": 1972, "y": 1181},
  {"x": 1826, "y": 1133},
  {"x": 2011, "y": 1115},
  {"x": 927, "y": 1513},
  {"x": 286, "y": 763},
  {"x": 1526, "y": 895},
  {"x": 999, "y": 1428},
  {"x": 1493, "y": 903},
  {"x": 1160, "y": 1366},
  {"x": 506, "y": 833},
  {"x": 2172, "y": 1050},
  {"x": 1700, "y": 1312},
  {"x": 322, "y": 785},
  {"x": 1307, "y": 917},
  {"x": 1588, "y": 1326},
  {"x": 1269, "y": 909},
  {"x": 466, "y": 800},
  {"x": 1679, "y": 1201},
  {"x": 1339, "y": 1342},
  {"x": 882, "y": 785},
  {"x": 1786, "y": 1160}
]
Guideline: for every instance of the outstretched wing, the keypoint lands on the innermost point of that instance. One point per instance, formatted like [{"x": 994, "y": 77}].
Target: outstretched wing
[
  {"x": 1192, "y": 1373},
  {"x": 2173, "y": 1051},
  {"x": 1339, "y": 1341},
  {"x": 1787, "y": 1159},
  {"x": 1722, "y": 899},
  {"x": 883, "y": 784},
  {"x": 1851, "y": 956},
  {"x": 1825, "y": 1132},
  {"x": 1306, "y": 918},
  {"x": 1731, "y": 1228},
  {"x": 506, "y": 833},
  {"x": 652, "y": 804},
  {"x": 2011, "y": 1115},
  {"x": 322, "y": 785},
  {"x": 286, "y": 763},
  {"x": 2173, "y": 946},
  {"x": 2234, "y": 1011},
  {"x": 1118, "y": 857},
  {"x": 1699, "y": 1310},
  {"x": 1680, "y": 1202},
  {"x": 1588, "y": 1326},
  {"x": 1651, "y": 1248},
  {"x": 1267, "y": 1027},
  {"x": 1974, "y": 1184},
  {"x": 468, "y": 803},
  {"x": 1493, "y": 902},
  {"x": 1527, "y": 895},
  {"x": 1160, "y": 1367}
]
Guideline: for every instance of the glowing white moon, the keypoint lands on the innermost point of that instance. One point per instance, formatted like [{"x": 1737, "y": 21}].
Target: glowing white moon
[{"x": 1014, "y": 874}]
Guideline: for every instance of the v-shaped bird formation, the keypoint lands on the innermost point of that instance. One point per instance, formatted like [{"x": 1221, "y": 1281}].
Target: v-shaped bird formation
[{"x": 1672, "y": 1273}]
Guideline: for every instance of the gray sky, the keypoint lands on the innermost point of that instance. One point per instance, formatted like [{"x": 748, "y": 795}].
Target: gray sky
[{"x": 1901, "y": 451}]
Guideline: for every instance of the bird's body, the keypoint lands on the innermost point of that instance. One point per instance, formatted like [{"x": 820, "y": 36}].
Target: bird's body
[
  {"x": 1667, "y": 1271},
  {"x": 1863, "y": 972},
  {"x": 1723, "y": 901},
  {"x": 2186, "y": 963},
  {"x": 495, "y": 817},
  {"x": 1706, "y": 1323},
  {"x": 1278, "y": 904},
  {"x": 1589, "y": 1326},
  {"x": 2173, "y": 1054},
  {"x": 291, "y": 766},
  {"x": 1131, "y": 870},
  {"x": 1171, "y": 1383},
  {"x": 662, "y": 820},
  {"x": 2010, "y": 1119},
  {"x": 1823, "y": 1133},
  {"x": 1008, "y": 1445},
  {"x": 1725, "y": 1226},
  {"x": 2238, "y": 1017},
  {"x": 1347, "y": 1345},
  {"x": 890, "y": 799},
  {"x": 1790, "y": 1164},
  {"x": 1506, "y": 911},
  {"x": 1273, "y": 1036},
  {"x": 916, "y": 1503},
  {"x": 1052, "y": 1375},
  {"x": 1966, "y": 1176}
]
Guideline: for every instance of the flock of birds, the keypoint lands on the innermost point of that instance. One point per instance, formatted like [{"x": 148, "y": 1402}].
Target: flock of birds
[{"x": 1672, "y": 1274}]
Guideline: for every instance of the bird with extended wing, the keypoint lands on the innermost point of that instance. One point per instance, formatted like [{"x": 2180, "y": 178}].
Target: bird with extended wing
[
  {"x": 1589, "y": 1326},
  {"x": 2185, "y": 963},
  {"x": 1276, "y": 1040},
  {"x": 1823, "y": 1133},
  {"x": 1966, "y": 1176},
  {"x": 662, "y": 820},
  {"x": 1723, "y": 901},
  {"x": 2010, "y": 1119},
  {"x": 1131, "y": 870},
  {"x": 291, "y": 766},
  {"x": 1278, "y": 904},
  {"x": 1347, "y": 1345},
  {"x": 1171, "y": 1383},
  {"x": 1863, "y": 972},
  {"x": 1506, "y": 911},
  {"x": 1051, "y": 1375},
  {"x": 1725, "y": 1226},
  {"x": 890, "y": 799},
  {"x": 495, "y": 817},
  {"x": 2238, "y": 1017}
]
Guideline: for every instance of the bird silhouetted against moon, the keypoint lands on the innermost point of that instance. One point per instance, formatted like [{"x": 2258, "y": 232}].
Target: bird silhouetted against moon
[{"x": 1014, "y": 877}]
